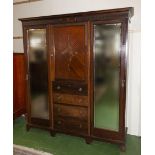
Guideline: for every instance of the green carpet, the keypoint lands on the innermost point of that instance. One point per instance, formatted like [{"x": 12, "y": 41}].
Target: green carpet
[{"x": 63, "y": 144}]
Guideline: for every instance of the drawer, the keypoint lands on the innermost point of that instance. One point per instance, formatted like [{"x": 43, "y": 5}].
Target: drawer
[
  {"x": 71, "y": 125},
  {"x": 70, "y": 87},
  {"x": 70, "y": 111},
  {"x": 71, "y": 99}
]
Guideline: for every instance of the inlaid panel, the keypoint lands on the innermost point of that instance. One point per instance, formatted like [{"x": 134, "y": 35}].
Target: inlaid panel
[{"x": 70, "y": 45}]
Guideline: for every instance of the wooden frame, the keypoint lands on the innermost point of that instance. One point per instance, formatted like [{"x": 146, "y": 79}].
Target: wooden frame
[
  {"x": 29, "y": 123},
  {"x": 118, "y": 137},
  {"x": 122, "y": 16}
]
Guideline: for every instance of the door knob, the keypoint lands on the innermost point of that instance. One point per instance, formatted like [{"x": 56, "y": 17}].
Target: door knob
[
  {"x": 59, "y": 122},
  {"x": 80, "y": 89},
  {"x": 58, "y": 87}
]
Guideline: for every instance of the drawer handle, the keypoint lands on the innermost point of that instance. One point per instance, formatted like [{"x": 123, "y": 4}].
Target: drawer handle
[
  {"x": 80, "y": 126},
  {"x": 59, "y": 98},
  {"x": 59, "y": 109},
  {"x": 59, "y": 122},
  {"x": 80, "y": 100},
  {"x": 80, "y": 89},
  {"x": 58, "y": 87},
  {"x": 81, "y": 112}
]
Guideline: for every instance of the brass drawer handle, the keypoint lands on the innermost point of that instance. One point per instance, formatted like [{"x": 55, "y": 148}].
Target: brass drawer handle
[
  {"x": 58, "y": 87},
  {"x": 59, "y": 122},
  {"x": 81, "y": 112},
  {"x": 59, "y": 98},
  {"x": 80, "y": 89},
  {"x": 80, "y": 100}
]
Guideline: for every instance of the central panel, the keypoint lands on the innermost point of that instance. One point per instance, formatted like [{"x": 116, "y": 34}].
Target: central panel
[
  {"x": 70, "y": 86},
  {"x": 70, "y": 52}
]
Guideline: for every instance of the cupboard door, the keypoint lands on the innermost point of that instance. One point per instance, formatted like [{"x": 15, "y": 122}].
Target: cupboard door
[
  {"x": 107, "y": 39},
  {"x": 70, "y": 46},
  {"x": 38, "y": 73}
]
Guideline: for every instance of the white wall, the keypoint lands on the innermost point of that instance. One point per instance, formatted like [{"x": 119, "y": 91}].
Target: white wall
[{"x": 52, "y": 7}]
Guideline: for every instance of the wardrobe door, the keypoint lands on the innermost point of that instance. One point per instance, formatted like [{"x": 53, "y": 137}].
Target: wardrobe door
[
  {"x": 37, "y": 62},
  {"x": 70, "y": 45},
  {"x": 109, "y": 78}
]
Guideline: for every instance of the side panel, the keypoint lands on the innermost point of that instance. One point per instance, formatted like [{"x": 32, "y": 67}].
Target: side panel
[{"x": 19, "y": 77}]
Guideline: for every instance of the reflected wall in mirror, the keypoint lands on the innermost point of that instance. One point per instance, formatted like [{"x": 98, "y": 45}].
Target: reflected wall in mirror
[
  {"x": 38, "y": 73},
  {"x": 107, "y": 39}
]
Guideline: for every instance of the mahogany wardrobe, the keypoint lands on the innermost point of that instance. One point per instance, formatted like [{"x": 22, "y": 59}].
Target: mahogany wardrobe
[{"x": 76, "y": 73}]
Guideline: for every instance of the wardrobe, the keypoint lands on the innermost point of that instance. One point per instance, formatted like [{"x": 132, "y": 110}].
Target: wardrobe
[{"x": 76, "y": 73}]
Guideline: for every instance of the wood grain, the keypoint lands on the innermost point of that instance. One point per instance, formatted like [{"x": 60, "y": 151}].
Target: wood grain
[{"x": 19, "y": 98}]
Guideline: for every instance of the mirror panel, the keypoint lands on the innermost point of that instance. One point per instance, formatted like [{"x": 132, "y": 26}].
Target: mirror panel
[
  {"x": 38, "y": 73},
  {"x": 107, "y": 39}
]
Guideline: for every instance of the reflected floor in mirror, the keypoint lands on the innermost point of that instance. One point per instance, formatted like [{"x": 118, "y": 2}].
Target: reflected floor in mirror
[
  {"x": 39, "y": 106},
  {"x": 106, "y": 110}
]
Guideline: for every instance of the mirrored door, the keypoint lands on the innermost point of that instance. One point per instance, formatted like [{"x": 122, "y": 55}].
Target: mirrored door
[
  {"x": 107, "y": 39},
  {"x": 38, "y": 73}
]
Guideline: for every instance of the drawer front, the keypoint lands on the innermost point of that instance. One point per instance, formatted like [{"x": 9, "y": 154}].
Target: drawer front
[
  {"x": 71, "y": 125},
  {"x": 70, "y": 111},
  {"x": 67, "y": 87},
  {"x": 71, "y": 99}
]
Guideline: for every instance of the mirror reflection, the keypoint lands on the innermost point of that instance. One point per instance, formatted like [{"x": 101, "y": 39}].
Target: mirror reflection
[
  {"x": 106, "y": 75},
  {"x": 38, "y": 73}
]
